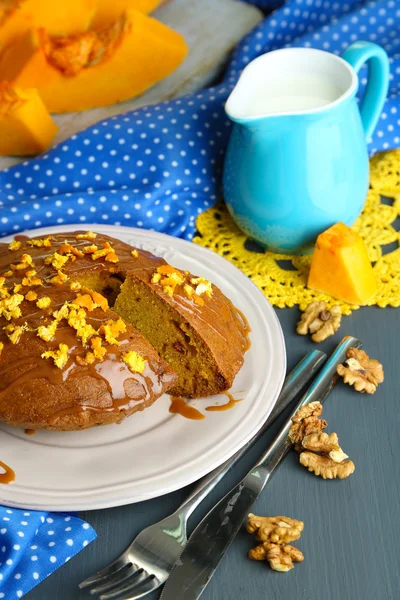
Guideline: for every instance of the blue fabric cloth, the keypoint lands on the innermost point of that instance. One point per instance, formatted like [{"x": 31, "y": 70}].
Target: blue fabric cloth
[
  {"x": 33, "y": 544},
  {"x": 158, "y": 168}
]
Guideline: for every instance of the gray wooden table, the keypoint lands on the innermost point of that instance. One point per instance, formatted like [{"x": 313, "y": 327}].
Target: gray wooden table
[{"x": 352, "y": 527}]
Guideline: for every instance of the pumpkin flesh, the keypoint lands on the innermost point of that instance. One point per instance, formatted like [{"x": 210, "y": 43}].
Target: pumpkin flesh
[
  {"x": 108, "y": 11},
  {"x": 57, "y": 17},
  {"x": 26, "y": 126},
  {"x": 340, "y": 266},
  {"x": 124, "y": 60}
]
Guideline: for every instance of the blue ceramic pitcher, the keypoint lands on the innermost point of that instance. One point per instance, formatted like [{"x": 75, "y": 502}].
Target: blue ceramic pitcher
[{"x": 297, "y": 158}]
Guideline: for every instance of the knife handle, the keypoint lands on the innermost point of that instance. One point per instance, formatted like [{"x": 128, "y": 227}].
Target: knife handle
[
  {"x": 318, "y": 391},
  {"x": 297, "y": 379}
]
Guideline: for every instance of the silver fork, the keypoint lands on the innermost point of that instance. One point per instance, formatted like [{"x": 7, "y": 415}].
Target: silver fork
[{"x": 147, "y": 562}]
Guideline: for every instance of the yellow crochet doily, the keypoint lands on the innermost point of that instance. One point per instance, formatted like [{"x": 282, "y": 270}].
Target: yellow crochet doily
[{"x": 283, "y": 279}]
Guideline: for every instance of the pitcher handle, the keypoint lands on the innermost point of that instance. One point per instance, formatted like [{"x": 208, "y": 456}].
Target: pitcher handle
[{"x": 378, "y": 80}]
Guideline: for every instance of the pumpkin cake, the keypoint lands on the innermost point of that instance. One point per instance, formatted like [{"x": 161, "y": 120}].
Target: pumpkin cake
[{"x": 93, "y": 330}]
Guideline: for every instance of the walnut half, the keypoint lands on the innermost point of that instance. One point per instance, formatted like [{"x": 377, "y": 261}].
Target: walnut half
[
  {"x": 274, "y": 533},
  {"x": 362, "y": 372},
  {"x": 280, "y": 558},
  {"x": 319, "y": 321},
  {"x": 278, "y": 530},
  {"x": 319, "y": 451},
  {"x": 325, "y": 467}
]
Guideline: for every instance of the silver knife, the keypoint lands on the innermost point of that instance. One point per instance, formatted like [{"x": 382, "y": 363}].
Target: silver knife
[{"x": 215, "y": 533}]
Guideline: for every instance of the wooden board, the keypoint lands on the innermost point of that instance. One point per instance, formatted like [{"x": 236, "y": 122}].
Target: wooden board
[{"x": 211, "y": 28}]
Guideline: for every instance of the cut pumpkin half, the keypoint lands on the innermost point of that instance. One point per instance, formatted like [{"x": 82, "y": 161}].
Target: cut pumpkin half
[{"x": 95, "y": 68}]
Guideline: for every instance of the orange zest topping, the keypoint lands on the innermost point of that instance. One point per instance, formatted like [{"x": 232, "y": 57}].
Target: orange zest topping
[
  {"x": 89, "y": 358},
  {"x": 17, "y": 287},
  {"x": 31, "y": 296},
  {"x": 43, "y": 302},
  {"x": 134, "y": 253},
  {"x": 75, "y": 286},
  {"x": 112, "y": 257},
  {"x": 15, "y": 245},
  {"x": 107, "y": 251},
  {"x": 47, "y": 332},
  {"x": 90, "y": 249},
  {"x": 44, "y": 243},
  {"x": 89, "y": 235},
  {"x": 198, "y": 300},
  {"x": 135, "y": 362},
  {"x": 8, "y": 274},
  {"x": 98, "y": 350},
  {"x": 1, "y": 346},
  {"x": 77, "y": 320},
  {"x": 14, "y": 332},
  {"x": 111, "y": 330},
  {"x": 59, "y": 356},
  {"x": 59, "y": 279},
  {"x": 56, "y": 260},
  {"x": 66, "y": 248},
  {"x": 202, "y": 286},
  {"x": 31, "y": 281},
  {"x": 100, "y": 300},
  {"x": 173, "y": 278},
  {"x": 25, "y": 262},
  {"x": 167, "y": 269},
  {"x": 189, "y": 291},
  {"x": 85, "y": 301},
  {"x": 9, "y": 306}
]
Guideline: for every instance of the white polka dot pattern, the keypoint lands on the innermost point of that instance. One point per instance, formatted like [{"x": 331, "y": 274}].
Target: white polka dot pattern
[
  {"x": 26, "y": 555},
  {"x": 159, "y": 167}
]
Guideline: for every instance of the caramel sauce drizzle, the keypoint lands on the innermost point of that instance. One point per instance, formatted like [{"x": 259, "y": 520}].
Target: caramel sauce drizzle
[
  {"x": 8, "y": 476},
  {"x": 227, "y": 406},
  {"x": 179, "y": 406}
]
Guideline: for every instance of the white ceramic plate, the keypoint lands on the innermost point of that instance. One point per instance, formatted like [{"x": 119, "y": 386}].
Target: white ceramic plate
[{"x": 154, "y": 452}]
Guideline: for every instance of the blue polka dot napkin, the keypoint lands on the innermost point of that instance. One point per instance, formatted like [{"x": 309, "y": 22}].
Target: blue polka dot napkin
[
  {"x": 158, "y": 168},
  {"x": 33, "y": 544}
]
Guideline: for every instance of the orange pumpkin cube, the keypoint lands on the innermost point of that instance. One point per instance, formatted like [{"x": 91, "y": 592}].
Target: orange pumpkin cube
[
  {"x": 25, "y": 125},
  {"x": 340, "y": 266},
  {"x": 95, "y": 68}
]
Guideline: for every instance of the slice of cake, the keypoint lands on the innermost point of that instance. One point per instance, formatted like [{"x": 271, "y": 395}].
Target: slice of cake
[{"x": 190, "y": 323}]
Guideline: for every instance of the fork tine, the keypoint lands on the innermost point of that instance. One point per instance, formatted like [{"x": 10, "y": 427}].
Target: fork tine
[
  {"x": 117, "y": 578},
  {"x": 141, "y": 580},
  {"x": 112, "y": 568},
  {"x": 144, "y": 590}
]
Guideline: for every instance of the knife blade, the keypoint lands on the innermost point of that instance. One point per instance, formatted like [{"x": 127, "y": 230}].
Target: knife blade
[{"x": 214, "y": 534}]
